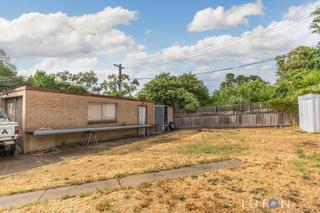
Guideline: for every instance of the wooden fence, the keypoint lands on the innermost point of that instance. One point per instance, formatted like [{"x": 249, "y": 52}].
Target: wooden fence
[{"x": 207, "y": 119}]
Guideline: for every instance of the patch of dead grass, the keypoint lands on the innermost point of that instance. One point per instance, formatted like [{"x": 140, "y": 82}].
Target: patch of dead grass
[{"x": 275, "y": 163}]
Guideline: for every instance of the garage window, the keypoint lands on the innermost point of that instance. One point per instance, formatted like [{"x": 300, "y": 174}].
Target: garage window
[{"x": 104, "y": 112}]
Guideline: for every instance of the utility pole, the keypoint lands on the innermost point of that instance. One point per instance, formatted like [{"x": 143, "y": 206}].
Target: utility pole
[{"x": 120, "y": 67}]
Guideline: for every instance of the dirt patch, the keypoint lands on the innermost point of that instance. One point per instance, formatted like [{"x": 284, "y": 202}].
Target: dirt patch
[
  {"x": 311, "y": 143},
  {"x": 278, "y": 165}
]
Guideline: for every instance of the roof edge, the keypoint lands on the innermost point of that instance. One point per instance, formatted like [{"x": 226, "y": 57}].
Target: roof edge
[{"x": 74, "y": 93}]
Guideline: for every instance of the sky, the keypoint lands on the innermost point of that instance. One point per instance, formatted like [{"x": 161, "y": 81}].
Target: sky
[{"x": 150, "y": 37}]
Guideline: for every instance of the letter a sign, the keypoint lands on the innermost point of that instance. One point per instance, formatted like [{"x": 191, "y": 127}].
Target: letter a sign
[{"x": 4, "y": 131}]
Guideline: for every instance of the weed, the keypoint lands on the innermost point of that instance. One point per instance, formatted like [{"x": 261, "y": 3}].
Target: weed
[
  {"x": 84, "y": 194},
  {"x": 104, "y": 205},
  {"x": 260, "y": 191},
  {"x": 214, "y": 181},
  {"x": 145, "y": 185},
  {"x": 66, "y": 197},
  {"x": 235, "y": 189},
  {"x": 73, "y": 182},
  {"x": 194, "y": 177},
  {"x": 99, "y": 191},
  {"x": 181, "y": 197},
  {"x": 225, "y": 206},
  {"x": 144, "y": 204},
  {"x": 301, "y": 153},
  {"x": 121, "y": 175},
  {"x": 301, "y": 167},
  {"x": 293, "y": 196},
  {"x": 277, "y": 160}
]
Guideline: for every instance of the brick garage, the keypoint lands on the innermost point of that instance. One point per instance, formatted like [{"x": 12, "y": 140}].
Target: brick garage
[{"x": 37, "y": 109}]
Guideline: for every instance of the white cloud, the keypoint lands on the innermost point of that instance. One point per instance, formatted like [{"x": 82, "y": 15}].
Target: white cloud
[
  {"x": 70, "y": 64},
  {"x": 218, "y": 18},
  {"x": 215, "y": 52},
  {"x": 59, "y": 35},
  {"x": 148, "y": 31}
]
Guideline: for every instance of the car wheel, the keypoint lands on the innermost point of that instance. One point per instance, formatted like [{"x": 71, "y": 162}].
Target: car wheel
[{"x": 9, "y": 150}]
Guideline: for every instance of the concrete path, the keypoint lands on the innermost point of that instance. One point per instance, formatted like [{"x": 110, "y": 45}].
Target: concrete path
[
  {"x": 18, "y": 162},
  {"x": 133, "y": 180}
]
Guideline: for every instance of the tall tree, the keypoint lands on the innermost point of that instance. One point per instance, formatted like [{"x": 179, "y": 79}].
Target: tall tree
[
  {"x": 302, "y": 57},
  {"x": 110, "y": 86},
  {"x": 9, "y": 77},
  {"x": 86, "y": 80},
  {"x": 44, "y": 80},
  {"x": 185, "y": 91},
  {"x": 242, "y": 90},
  {"x": 315, "y": 25}
]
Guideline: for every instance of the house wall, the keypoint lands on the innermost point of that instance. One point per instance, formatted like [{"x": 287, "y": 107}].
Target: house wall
[
  {"x": 58, "y": 110},
  {"x": 18, "y": 93},
  {"x": 170, "y": 114}
]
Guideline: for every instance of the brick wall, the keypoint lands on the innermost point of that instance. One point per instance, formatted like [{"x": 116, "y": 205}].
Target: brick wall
[{"x": 59, "y": 111}]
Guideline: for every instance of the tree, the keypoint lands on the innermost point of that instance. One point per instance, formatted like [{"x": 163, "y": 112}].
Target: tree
[
  {"x": 302, "y": 57},
  {"x": 86, "y": 80},
  {"x": 194, "y": 86},
  {"x": 242, "y": 90},
  {"x": 315, "y": 25},
  {"x": 44, "y": 80},
  {"x": 110, "y": 86},
  {"x": 232, "y": 81},
  {"x": 8, "y": 73},
  {"x": 184, "y": 91}
]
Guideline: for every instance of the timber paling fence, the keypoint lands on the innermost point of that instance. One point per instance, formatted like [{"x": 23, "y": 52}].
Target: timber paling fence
[{"x": 250, "y": 117}]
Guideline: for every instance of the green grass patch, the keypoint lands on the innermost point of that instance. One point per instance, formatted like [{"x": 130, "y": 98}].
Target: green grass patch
[
  {"x": 214, "y": 181},
  {"x": 214, "y": 149},
  {"x": 302, "y": 167}
]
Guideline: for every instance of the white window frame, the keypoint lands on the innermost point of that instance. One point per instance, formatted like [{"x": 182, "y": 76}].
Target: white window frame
[{"x": 102, "y": 117}]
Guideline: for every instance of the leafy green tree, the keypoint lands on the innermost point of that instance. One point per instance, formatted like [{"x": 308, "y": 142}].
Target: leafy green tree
[
  {"x": 242, "y": 90},
  {"x": 184, "y": 91},
  {"x": 110, "y": 86},
  {"x": 194, "y": 86},
  {"x": 44, "y": 80},
  {"x": 303, "y": 57},
  {"x": 86, "y": 80},
  {"x": 8, "y": 73},
  {"x": 315, "y": 25}
]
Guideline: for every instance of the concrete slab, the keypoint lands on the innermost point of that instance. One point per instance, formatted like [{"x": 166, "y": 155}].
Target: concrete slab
[
  {"x": 20, "y": 199},
  {"x": 129, "y": 181},
  {"x": 78, "y": 189},
  {"x": 19, "y": 163}
]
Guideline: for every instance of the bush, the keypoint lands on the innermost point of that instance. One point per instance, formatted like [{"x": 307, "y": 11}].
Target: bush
[{"x": 287, "y": 104}]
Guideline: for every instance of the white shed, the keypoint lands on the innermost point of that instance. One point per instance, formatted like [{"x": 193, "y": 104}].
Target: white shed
[{"x": 309, "y": 113}]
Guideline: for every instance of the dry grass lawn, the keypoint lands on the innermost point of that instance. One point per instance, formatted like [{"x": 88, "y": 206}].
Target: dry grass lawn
[{"x": 279, "y": 163}]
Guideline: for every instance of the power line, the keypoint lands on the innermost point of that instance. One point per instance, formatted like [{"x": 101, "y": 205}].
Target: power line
[
  {"x": 243, "y": 65},
  {"x": 235, "y": 67},
  {"x": 294, "y": 19}
]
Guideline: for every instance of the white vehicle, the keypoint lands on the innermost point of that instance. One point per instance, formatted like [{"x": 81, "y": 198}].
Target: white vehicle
[{"x": 9, "y": 133}]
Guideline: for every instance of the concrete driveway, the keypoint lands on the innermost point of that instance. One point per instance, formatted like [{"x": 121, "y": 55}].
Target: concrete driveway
[{"x": 18, "y": 162}]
